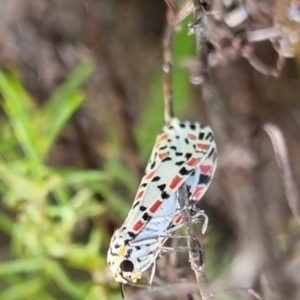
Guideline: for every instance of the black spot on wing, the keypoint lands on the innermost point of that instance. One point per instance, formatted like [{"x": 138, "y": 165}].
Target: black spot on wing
[
  {"x": 209, "y": 137},
  {"x": 181, "y": 125},
  {"x": 201, "y": 135},
  {"x": 112, "y": 253},
  {"x": 188, "y": 187},
  {"x": 152, "y": 165},
  {"x": 171, "y": 127},
  {"x": 171, "y": 226},
  {"x": 180, "y": 163},
  {"x": 146, "y": 217},
  {"x": 135, "y": 204},
  {"x": 166, "y": 159},
  {"x": 193, "y": 126},
  {"x": 173, "y": 147},
  {"x": 161, "y": 187},
  {"x": 178, "y": 153},
  {"x": 165, "y": 195},
  {"x": 156, "y": 178},
  {"x": 204, "y": 179},
  {"x": 144, "y": 184},
  {"x": 131, "y": 234},
  {"x": 129, "y": 252},
  {"x": 183, "y": 171},
  {"x": 163, "y": 147},
  {"x": 188, "y": 156},
  {"x": 186, "y": 141},
  {"x": 138, "y": 247},
  {"x": 177, "y": 137},
  {"x": 143, "y": 208},
  {"x": 212, "y": 151},
  {"x": 117, "y": 246}
]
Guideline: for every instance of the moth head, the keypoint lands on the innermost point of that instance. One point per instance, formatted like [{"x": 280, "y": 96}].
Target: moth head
[{"x": 120, "y": 260}]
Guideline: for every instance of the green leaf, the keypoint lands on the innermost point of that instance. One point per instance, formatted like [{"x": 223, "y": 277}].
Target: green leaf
[
  {"x": 62, "y": 104},
  {"x": 6, "y": 223},
  {"x": 20, "y": 109},
  {"x": 72, "y": 289},
  {"x": 22, "y": 265},
  {"x": 81, "y": 177},
  {"x": 24, "y": 290}
]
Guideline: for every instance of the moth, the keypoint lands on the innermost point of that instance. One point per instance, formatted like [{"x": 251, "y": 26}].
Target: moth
[{"x": 185, "y": 152}]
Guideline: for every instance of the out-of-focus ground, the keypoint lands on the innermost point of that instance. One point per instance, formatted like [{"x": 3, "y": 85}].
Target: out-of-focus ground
[{"x": 252, "y": 238}]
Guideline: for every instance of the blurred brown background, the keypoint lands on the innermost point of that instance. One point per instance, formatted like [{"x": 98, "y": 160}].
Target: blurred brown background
[{"x": 253, "y": 238}]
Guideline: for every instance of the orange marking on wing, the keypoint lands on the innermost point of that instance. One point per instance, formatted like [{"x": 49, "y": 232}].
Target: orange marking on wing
[
  {"x": 178, "y": 219},
  {"x": 139, "y": 195},
  {"x": 162, "y": 137},
  {"x": 163, "y": 155},
  {"x": 192, "y": 162},
  {"x": 155, "y": 206},
  {"x": 138, "y": 225},
  {"x": 191, "y": 136},
  {"x": 150, "y": 175},
  {"x": 175, "y": 182},
  {"x": 202, "y": 146},
  {"x": 206, "y": 169},
  {"x": 198, "y": 191}
]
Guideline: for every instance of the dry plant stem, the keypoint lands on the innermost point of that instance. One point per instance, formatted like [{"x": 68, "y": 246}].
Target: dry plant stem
[
  {"x": 281, "y": 156},
  {"x": 200, "y": 28},
  {"x": 195, "y": 255},
  {"x": 168, "y": 67}
]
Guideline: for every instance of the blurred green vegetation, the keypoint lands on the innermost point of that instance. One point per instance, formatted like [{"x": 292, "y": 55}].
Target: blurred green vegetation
[{"x": 42, "y": 204}]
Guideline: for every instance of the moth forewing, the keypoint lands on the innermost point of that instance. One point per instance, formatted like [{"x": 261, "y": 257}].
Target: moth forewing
[
  {"x": 180, "y": 148},
  {"x": 183, "y": 152}
]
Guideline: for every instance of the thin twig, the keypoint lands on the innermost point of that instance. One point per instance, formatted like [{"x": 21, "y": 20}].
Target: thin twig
[
  {"x": 282, "y": 160},
  {"x": 168, "y": 66},
  {"x": 196, "y": 254},
  {"x": 201, "y": 7}
]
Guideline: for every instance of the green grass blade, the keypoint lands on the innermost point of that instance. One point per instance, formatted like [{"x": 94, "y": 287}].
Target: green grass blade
[
  {"x": 64, "y": 283},
  {"x": 19, "y": 109},
  {"x": 24, "y": 290},
  {"x": 62, "y": 104},
  {"x": 56, "y": 122},
  {"x": 81, "y": 177},
  {"x": 20, "y": 266}
]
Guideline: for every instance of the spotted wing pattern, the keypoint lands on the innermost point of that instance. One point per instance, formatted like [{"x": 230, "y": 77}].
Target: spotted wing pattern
[
  {"x": 183, "y": 152},
  {"x": 179, "y": 149}
]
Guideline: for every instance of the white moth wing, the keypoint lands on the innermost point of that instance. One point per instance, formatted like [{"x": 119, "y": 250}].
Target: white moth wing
[{"x": 168, "y": 168}]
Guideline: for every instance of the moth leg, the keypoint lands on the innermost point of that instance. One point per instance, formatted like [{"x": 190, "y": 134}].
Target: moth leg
[
  {"x": 181, "y": 249},
  {"x": 153, "y": 268},
  {"x": 165, "y": 250},
  {"x": 197, "y": 216}
]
